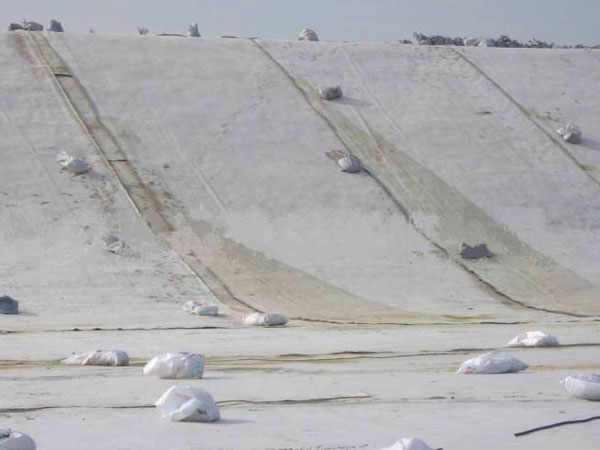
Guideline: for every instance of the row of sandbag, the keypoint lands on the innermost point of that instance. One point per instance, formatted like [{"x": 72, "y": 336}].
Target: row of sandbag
[
  {"x": 186, "y": 403},
  {"x": 585, "y": 386}
]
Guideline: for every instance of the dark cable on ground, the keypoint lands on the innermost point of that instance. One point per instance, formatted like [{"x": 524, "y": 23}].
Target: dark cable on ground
[{"x": 557, "y": 424}]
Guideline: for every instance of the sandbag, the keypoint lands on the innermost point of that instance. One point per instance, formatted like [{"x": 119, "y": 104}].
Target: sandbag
[
  {"x": 585, "y": 386},
  {"x": 330, "y": 92},
  {"x": 570, "y": 133},
  {"x": 349, "y": 163},
  {"x": 471, "y": 42},
  {"x": 487, "y": 42},
  {"x": 193, "y": 30},
  {"x": 492, "y": 362},
  {"x": 187, "y": 404},
  {"x": 56, "y": 26},
  {"x": 15, "y": 440},
  {"x": 267, "y": 320},
  {"x": 533, "y": 339},
  {"x": 99, "y": 358},
  {"x": 8, "y": 305},
  {"x": 118, "y": 246},
  {"x": 33, "y": 26},
  {"x": 409, "y": 444},
  {"x": 307, "y": 35},
  {"x": 476, "y": 252},
  {"x": 71, "y": 163},
  {"x": 200, "y": 308},
  {"x": 15, "y": 26},
  {"x": 176, "y": 365}
]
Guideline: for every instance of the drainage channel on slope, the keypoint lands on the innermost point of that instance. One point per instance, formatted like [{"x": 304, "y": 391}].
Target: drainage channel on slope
[{"x": 83, "y": 110}]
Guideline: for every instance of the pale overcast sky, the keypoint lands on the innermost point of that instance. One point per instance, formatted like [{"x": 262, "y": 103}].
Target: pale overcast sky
[{"x": 561, "y": 21}]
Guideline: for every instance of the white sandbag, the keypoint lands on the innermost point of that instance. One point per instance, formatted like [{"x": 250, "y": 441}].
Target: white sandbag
[
  {"x": 307, "y": 35},
  {"x": 176, "y": 365},
  {"x": 71, "y": 163},
  {"x": 330, "y": 92},
  {"x": 533, "y": 339},
  {"x": 570, "y": 133},
  {"x": 187, "y": 404},
  {"x": 409, "y": 444},
  {"x": 349, "y": 163},
  {"x": 471, "y": 42},
  {"x": 15, "y": 440},
  {"x": 487, "y": 42},
  {"x": 99, "y": 358},
  {"x": 200, "y": 308},
  {"x": 267, "y": 320},
  {"x": 585, "y": 386},
  {"x": 193, "y": 30},
  {"x": 492, "y": 362}
]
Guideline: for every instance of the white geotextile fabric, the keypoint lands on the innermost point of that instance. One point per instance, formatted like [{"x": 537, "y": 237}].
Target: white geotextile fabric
[
  {"x": 492, "y": 362},
  {"x": 99, "y": 358},
  {"x": 176, "y": 365},
  {"x": 187, "y": 404},
  {"x": 533, "y": 339}
]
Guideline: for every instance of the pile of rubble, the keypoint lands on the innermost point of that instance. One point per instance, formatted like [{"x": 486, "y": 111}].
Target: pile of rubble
[{"x": 503, "y": 41}]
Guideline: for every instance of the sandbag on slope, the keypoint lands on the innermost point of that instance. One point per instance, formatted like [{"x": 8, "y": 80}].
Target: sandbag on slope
[{"x": 201, "y": 308}]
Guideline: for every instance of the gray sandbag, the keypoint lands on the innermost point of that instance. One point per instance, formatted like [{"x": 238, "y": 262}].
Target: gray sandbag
[
  {"x": 33, "y": 26},
  {"x": 349, "y": 163},
  {"x": 75, "y": 165},
  {"x": 8, "y": 305},
  {"x": 15, "y": 440},
  {"x": 476, "y": 252},
  {"x": 15, "y": 26},
  {"x": 570, "y": 133},
  {"x": 56, "y": 26},
  {"x": 423, "y": 39},
  {"x": 193, "y": 30},
  {"x": 307, "y": 35},
  {"x": 330, "y": 92}
]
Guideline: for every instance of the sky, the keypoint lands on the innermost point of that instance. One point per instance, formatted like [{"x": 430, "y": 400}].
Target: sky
[{"x": 560, "y": 21}]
